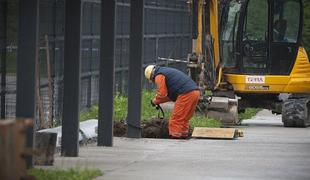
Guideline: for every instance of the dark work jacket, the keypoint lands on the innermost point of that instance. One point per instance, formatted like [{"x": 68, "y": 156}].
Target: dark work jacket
[{"x": 176, "y": 81}]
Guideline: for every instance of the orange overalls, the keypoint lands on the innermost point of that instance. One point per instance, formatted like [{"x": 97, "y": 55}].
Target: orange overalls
[{"x": 184, "y": 108}]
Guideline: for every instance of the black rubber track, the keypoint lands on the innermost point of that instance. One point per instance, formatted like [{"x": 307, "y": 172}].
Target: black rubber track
[{"x": 295, "y": 112}]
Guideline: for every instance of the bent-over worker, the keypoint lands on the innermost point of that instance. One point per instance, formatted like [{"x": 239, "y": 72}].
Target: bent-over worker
[{"x": 174, "y": 85}]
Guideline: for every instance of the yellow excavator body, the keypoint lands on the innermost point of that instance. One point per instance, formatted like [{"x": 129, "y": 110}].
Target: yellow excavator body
[
  {"x": 282, "y": 65},
  {"x": 298, "y": 81}
]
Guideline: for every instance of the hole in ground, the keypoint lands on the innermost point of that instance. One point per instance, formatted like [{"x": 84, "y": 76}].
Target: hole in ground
[{"x": 155, "y": 128}]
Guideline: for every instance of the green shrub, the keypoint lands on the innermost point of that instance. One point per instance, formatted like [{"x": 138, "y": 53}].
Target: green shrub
[
  {"x": 148, "y": 111},
  {"x": 92, "y": 113},
  {"x": 120, "y": 108}
]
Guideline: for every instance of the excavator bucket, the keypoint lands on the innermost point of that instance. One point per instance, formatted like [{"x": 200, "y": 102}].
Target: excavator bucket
[
  {"x": 224, "y": 109},
  {"x": 220, "y": 108}
]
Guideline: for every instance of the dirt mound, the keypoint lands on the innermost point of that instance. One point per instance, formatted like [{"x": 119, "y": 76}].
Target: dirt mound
[
  {"x": 119, "y": 129},
  {"x": 156, "y": 128}
]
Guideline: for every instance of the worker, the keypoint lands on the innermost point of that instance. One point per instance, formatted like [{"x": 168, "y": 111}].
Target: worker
[
  {"x": 174, "y": 85},
  {"x": 279, "y": 30}
]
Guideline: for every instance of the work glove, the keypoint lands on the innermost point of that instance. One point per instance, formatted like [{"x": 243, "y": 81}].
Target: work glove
[{"x": 152, "y": 103}]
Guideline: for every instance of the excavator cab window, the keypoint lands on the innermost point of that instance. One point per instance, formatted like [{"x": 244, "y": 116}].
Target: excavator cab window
[
  {"x": 229, "y": 34},
  {"x": 285, "y": 41},
  {"x": 260, "y": 37},
  {"x": 255, "y": 37},
  {"x": 286, "y": 13}
]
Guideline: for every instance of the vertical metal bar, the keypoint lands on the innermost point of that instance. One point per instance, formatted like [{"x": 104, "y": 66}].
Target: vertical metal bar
[
  {"x": 89, "y": 79},
  {"x": 57, "y": 83},
  {"x": 106, "y": 79},
  {"x": 135, "y": 68},
  {"x": 3, "y": 44},
  {"x": 156, "y": 49},
  {"x": 195, "y": 19},
  {"x": 53, "y": 59},
  {"x": 72, "y": 71},
  {"x": 90, "y": 60},
  {"x": 26, "y": 56},
  {"x": 122, "y": 71}
]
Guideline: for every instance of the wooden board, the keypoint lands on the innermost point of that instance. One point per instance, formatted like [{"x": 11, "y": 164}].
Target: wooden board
[{"x": 215, "y": 133}]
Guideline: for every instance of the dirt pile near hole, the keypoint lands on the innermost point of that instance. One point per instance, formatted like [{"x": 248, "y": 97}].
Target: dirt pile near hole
[
  {"x": 119, "y": 129},
  {"x": 156, "y": 128}
]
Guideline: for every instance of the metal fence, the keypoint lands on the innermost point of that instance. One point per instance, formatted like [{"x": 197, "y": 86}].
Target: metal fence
[{"x": 167, "y": 34}]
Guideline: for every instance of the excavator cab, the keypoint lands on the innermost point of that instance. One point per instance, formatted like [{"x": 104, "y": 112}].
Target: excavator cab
[{"x": 260, "y": 37}]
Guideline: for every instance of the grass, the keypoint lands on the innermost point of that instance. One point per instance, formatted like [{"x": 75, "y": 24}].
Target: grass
[
  {"x": 149, "y": 112},
  {"x": 92, "y": 113},
  {"x": 201, "y": 121},
  {"x": 249, "y": 113},
  {"x": 71, "y": 174},
  {"x": 120, "y": 108}
]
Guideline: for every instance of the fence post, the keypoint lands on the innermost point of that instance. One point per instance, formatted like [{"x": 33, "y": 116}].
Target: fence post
[
  {"x": 72, "y": 79},
  {"x": 26, "y": 56},
  {"x": 135, "y": 68},
  {"x": 107, "y": 70},
  {"x": 3, "y": 44}
]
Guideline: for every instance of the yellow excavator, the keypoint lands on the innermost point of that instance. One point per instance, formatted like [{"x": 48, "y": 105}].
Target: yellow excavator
[{"x": 248, "y": 53}]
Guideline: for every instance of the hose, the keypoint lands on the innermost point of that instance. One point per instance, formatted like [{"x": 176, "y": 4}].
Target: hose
[{"x": 161, "y": 114}]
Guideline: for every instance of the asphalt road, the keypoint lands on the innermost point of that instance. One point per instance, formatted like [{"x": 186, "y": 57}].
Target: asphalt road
[{"x": 268, "y": 151}]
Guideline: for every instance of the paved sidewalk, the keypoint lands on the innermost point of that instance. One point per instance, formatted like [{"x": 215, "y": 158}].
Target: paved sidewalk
[{"x": 268, "y": 151}]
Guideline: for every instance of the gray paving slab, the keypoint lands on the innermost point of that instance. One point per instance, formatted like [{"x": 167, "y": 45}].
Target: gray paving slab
[{"x": 268, "y": 151}]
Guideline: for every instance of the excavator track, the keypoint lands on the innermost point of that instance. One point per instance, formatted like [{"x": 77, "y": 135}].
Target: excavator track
[{"x": 296, "y": 112}]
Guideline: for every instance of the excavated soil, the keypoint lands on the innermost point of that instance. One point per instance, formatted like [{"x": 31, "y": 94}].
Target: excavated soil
[
  {"x": 119, "y": 129},
  {"x": 155, "y": 128}
]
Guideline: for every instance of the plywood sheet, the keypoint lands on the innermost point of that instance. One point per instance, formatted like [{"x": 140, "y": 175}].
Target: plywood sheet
[{"x": 214, "y": 133}]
